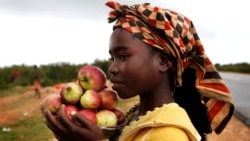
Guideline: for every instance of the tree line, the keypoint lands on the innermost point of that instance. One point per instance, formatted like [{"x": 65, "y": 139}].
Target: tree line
[
  {"x": 51, "y": 74},
  {"x": 238, "y": 67},
  {"x": 55, "y": 73}
]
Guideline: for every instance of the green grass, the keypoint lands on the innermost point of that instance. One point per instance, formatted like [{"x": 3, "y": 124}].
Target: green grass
[
  {"x": 26, "y": 129},
  {"x": 12, "y": 91}
]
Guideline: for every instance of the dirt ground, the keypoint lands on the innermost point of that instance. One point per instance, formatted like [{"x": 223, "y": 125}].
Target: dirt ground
[{"x": 234, "y": 131}]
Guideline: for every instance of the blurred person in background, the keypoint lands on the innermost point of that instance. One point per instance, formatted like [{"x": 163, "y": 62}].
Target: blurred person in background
[
  {"x": 36, "y": 81},
  {"x": 16, "y": 75}
]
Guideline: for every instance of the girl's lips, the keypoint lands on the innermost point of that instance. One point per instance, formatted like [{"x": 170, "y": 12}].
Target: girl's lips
[
  {"x": 116, "y": 86},
  {"x": 115, "y": 81}
]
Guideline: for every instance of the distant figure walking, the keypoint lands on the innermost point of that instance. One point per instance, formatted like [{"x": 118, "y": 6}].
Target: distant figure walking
[
  {"x": 16, "y": 75},
  {"x": 37, "y": 85}
]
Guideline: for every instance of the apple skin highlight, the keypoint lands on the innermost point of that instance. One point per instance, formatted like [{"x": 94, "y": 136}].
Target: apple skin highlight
[
  {"x": 90, "y": 99},
  {"x": 71, "y": 93},
  {"x": 91, "y": 77}
]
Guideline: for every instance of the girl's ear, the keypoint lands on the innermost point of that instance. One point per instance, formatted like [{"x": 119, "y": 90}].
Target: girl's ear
[{"x": 165, "y": 64}]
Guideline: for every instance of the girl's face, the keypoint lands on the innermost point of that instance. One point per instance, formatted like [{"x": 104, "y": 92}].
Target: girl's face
[{"x": 135, "y": 65}]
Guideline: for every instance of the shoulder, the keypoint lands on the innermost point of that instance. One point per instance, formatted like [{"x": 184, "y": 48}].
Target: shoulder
[
  {"x": 160, "y": 133},
  {"x": 164, "y": 133},
  {"x": 169, "y": 122},
  {"x": 169, "y": 113},
  {"x": 176, "y": 117}
]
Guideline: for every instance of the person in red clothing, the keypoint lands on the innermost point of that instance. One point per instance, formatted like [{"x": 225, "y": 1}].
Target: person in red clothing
[{"x": 16, "y": 75}]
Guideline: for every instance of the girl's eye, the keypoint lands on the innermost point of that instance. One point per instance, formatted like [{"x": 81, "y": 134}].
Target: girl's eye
[
  {"x": 111, "y": 59},
  {"x": 118, "y": 57},
  {"x": 122, "y": 57}
]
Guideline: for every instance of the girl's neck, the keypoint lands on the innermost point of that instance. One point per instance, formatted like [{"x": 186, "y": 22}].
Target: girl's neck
[{"x": 150, "y": 102}]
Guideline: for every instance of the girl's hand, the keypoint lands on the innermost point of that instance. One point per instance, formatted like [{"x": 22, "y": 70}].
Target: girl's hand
[{"x": 77, "y": 130}]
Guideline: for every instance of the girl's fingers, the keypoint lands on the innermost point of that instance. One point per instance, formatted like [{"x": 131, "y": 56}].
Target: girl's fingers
[
  {"x": 80, "y": 119},
  {"x": 64, "y": 119},
  {"x": 88, "y": 125},
  {"x": 53, "y": 123}
]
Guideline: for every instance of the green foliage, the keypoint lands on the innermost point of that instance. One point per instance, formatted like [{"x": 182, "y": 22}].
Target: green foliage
[
  {"x": 239, "y": 67},
  {"x": 50, "y": 74},
  {"x": 3, "y": 83},
  {"x": 6, "y": 77},
  {"x": 58, "y": 73}
]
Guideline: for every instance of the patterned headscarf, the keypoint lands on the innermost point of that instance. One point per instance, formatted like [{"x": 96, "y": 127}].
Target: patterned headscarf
[{"x": 176, "y": 35}]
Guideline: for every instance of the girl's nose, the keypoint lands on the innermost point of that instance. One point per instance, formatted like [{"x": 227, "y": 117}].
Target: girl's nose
[{"x": 113, "y": 69}]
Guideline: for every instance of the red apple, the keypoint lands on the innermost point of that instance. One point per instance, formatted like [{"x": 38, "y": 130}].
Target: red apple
[
  {"x": 89, "y": 114},
  {"x": 120, "y": 115},
  {"x": 52, "y": 102},
  {"x": 90, "y": 99},
  {"x": 91, "y": 77},
  {"x": 106, "y": 118},
  {"x": 109, "y": 98},
  {"x": 69, "y": 109},
  {"x": 71, "y": 93}
]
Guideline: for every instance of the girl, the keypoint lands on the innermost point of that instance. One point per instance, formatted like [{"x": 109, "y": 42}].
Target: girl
[{"x": 157, "y": 54}]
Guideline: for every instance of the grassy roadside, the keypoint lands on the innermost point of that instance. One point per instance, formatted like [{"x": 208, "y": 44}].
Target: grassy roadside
[
  {"x": 20, "y": 117},
  {"x": 26, "y": 129}
]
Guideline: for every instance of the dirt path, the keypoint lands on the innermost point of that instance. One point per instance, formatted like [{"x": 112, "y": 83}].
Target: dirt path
[
  {"x": 10, "y": 114},
  {"x": 235, "y": 130}
]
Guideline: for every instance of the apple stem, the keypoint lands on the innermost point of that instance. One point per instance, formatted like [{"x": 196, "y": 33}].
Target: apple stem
[
  {"x": 68, "y": 89},
  {"x": 85, "y": 79}
]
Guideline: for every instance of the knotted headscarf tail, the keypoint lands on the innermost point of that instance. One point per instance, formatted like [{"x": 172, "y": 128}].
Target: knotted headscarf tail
[{"x": 181, "y": 40}]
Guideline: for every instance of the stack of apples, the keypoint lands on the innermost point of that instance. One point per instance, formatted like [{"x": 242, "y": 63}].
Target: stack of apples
[{"x": 89, "y": 96}]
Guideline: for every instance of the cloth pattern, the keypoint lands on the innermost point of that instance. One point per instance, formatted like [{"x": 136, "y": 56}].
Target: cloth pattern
[{"x": 176, "y": 35}]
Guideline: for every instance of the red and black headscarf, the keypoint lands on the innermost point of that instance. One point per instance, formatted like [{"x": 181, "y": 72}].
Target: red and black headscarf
[{"x": 179, "y": 39}]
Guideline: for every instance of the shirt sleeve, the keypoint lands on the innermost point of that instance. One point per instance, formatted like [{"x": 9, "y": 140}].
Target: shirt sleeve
[{"x": 162, "y": 134}]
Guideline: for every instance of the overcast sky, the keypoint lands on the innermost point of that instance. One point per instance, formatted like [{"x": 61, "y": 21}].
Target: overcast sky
[{"x": 76, "y": 31}]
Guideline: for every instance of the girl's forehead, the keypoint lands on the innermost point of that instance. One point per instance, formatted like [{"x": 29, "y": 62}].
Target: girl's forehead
[
  {"x": 121, "y": 37},
  {"x": 123, "y": 33}
]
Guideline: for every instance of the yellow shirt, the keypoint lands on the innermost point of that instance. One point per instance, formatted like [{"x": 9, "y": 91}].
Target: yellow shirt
[{"x": 167, "y": 123}]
